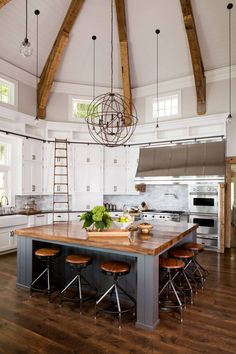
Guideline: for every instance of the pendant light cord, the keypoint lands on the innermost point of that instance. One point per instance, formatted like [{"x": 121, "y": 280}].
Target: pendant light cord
[
  {"x": 229, "y": 7},
  {"x": 112, "y": 46},
  {"x": 26, "y": 20},
  {"x": 94, "y": 68},
  {"x": 157, "y": 33},
  {"x": 37, "y": 12}
]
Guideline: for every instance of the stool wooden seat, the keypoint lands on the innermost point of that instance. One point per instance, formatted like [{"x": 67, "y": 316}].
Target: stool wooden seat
[
  {"x": 180, "y": 253},
  {"x": 77, "y": 263},
  {"x": 115, "y": 267},
  {"x": 171, "y": 263},
  {"x": 78, "y": 259},
  {"x": 47, "y": 255},
  {"x": 46, "y": 252},
  {"x": 171, "y": 297},
  {"x": 192, "y": 246}
]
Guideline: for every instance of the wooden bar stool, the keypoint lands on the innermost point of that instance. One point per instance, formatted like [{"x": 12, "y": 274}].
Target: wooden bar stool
[
  {"x": 199, "y": 272},
  {"x": 46, "y": 255},
  {"x": 115, "y": 269},
  {"x": 186, "y": 256},
  {"x": 77, "y": 263},
  {"x": 170, "y": 294}
]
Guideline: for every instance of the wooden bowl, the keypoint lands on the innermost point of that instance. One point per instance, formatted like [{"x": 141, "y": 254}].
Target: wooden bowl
[{"x": 145, "y": 228}]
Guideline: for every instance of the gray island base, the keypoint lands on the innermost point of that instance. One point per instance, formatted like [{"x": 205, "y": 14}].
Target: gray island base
[{"x": 142, "y": 253}]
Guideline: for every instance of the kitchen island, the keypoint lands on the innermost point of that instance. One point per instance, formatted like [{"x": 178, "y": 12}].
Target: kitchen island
[{"x": 141, "y": 251}]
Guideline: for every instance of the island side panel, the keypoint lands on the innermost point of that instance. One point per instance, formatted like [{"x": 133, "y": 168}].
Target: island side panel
[
  {"x": 147, "y": 291},
  {"x": 24, "y": 261}
]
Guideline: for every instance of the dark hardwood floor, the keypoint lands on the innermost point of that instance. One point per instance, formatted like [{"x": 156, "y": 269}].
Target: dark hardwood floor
[{"x": 31, "y": 325}]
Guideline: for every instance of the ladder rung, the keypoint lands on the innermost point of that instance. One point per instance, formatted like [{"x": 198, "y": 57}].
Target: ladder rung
[
  {"x": 62, "y": 193},
  {"x": 61, "y": 157},
  {"x": 63, "y": 184},
  {"x": 60, "y": 165},
  {"x": 60, "y": 202},
  {"x": 61, "y": 148},
  {"x": 60, "y": 174}
]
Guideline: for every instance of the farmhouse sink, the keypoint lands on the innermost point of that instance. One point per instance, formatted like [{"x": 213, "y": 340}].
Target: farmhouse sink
[{"x": 13, "y": 220}]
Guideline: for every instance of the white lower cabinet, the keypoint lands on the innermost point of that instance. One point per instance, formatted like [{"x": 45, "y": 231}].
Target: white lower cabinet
[
  {"x": 8, "y": 239},
  {"x": 37, "y": 220}
]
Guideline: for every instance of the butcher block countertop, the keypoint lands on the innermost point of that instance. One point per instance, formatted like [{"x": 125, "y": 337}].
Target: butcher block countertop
[{"x": 161, "y": 237}]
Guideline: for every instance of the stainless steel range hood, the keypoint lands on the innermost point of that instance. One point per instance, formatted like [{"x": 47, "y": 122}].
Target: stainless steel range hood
[{"x": 186, "y": 162}]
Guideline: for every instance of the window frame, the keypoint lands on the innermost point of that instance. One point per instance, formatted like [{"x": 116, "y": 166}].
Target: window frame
[
  {"x": 83, "y": 99},
  {"x": 150, "y": 101},
  {"x": 13, "y": 92}
]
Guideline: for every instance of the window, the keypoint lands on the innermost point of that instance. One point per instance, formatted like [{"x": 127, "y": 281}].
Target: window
[
  {"x": 168, "y": 106},
  {"x": 7, "y": 92},
  {"x": 5, "y": 164},
  {"x": 79, "y": 108}
]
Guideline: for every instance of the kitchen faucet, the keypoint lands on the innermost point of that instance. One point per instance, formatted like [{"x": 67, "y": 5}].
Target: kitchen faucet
[{"x": 1, "y": 200}]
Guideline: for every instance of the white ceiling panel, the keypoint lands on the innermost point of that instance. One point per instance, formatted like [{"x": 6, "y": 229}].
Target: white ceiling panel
[{"x": 143, "y": 17}]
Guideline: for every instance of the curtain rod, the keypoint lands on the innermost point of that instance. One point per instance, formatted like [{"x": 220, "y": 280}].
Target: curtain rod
[{"x": 150, "y": 143}]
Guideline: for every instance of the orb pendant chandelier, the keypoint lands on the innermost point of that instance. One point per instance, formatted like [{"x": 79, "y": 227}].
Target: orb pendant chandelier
[{"x": 111, "y": 117}]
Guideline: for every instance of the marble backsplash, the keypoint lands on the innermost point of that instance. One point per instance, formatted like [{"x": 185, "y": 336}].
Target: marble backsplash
[
  {"x": 42, "y": 202},
  {"x": 159, "y": 197}
]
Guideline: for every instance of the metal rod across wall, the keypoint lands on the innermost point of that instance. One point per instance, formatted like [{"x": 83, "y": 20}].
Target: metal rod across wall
[{"x": 150, "y": 143}]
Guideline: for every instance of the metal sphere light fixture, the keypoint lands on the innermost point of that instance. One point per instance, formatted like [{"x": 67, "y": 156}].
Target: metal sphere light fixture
[{"x": 111, "y": 117}]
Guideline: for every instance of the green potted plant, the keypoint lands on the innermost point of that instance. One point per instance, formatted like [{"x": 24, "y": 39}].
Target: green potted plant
[{"x": 98, "y": 218}]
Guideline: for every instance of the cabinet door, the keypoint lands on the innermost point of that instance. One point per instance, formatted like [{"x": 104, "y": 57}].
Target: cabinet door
[
  {"x": 132, "y": 165},
  {"x": 115, "y": 156},
  {"x": 32, "y": 176},
  {"x": 5, "y": 240},
  {"x": 32, "y": 150},
  {"x": 48, "y": 166},
  {"x": 40, "y": 219},
  {"x": 114, "y": 180},
  {"x": 88, "y": 154},
  {"x": 88, "y": 178}
]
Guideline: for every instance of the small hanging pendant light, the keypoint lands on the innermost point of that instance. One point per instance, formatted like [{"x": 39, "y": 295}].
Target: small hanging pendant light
[
  {"x": 229, "y": 118},
  {"x": 37, "y": 12},
  {"x": 111, "y": 118},
  {"x": 25, "y": 47}
]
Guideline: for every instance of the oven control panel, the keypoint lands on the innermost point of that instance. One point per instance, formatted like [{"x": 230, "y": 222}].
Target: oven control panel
[{"x": 203, "y": 189}]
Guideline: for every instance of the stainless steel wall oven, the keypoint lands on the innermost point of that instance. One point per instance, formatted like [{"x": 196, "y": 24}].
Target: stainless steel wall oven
[{"x": 203, "y": 199}]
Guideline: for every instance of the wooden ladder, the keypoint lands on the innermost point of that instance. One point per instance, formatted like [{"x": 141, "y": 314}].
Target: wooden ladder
[{"x": 60, "y": 179}]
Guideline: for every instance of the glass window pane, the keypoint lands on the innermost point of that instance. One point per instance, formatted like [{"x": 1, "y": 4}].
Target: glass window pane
[
  {"x": 174, "y": 111},
  {"x": 1, "y": 180},
  {"x": 168, "y": 112}
]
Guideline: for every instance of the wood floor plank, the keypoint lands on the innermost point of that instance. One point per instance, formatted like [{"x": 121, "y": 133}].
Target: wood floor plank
[{"x": 31, "y": 325}]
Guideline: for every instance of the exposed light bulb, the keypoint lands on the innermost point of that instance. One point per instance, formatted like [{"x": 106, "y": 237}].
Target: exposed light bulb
[
  {"x": 26, "y": 49},
  {"x": 229, "y": 119}
]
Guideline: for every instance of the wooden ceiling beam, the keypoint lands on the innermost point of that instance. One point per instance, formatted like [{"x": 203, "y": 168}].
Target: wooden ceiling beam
[
  {"x": 55, "y": 56},
  {"x": 197, "y": 63},
  {"x": 3, "y": 2},
  {"x": 124, "y": 54}
]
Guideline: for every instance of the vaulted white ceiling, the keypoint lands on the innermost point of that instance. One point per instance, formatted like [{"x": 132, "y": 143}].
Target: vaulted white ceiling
[{"x": 143, "y": 17}]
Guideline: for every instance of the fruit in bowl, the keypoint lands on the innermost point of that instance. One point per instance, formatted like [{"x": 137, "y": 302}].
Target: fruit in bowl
[
  {"x": 123, "y": 222},
  {"x": 145, "y": 227}
]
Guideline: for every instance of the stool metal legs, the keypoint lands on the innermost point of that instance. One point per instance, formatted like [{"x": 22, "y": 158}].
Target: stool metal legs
[
  {"x": 77, "y": 281},
  {"x": 199, "y": 273},
  {"x": 114, "y": 288},
  {"x": 47, "y": 270},
  {"x": 169, "y": 287}
]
